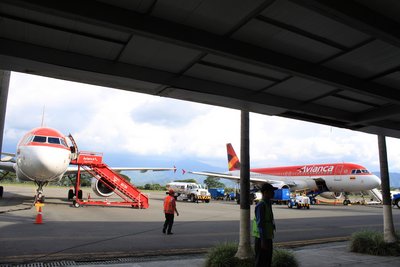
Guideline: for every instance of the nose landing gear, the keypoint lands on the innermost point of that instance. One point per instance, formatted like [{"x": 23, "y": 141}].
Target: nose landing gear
[{"x": 39, "y": 197}]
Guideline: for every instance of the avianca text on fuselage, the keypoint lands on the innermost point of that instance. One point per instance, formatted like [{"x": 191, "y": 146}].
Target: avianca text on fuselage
[{"x": 316, "y": 169}]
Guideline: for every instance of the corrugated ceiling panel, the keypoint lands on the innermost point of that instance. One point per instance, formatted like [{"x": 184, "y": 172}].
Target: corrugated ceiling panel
[
  {"x": 368, "y": 60},
  {"x": 227, "y": 77},
  {"x": 363, "y": 98},
  {"x": 290, "y": 13},
  {"x": 94, "y": 47},
  {"x": 141, "y": 6},
  {"x": 50, "y": 20},
  {"x": 47, "y": 37},
  {"x": 218, "y": 17},
  {"x": 300, "y": 89},
  {"x": 392, "y": 80},
  {"x": 388, "y": 8},
  {"x": 245, "y": 67},
  {"x": 277, "y": 39},
  {"x": 155, "y": 54},
  {"x": 343, "y": 104}
]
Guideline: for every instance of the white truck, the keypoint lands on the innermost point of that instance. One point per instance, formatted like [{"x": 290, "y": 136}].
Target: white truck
[
  {"x": 300, "y": 201},
  {"x": 189, "y": 191}
]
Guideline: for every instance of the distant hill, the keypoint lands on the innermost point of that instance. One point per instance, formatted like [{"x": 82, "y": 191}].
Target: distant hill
[{"x": 394, "y": 178}]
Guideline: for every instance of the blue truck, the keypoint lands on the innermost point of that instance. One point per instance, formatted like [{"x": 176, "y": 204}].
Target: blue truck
[
  {"x": 217, "y": 193},
  {"x": 281, "y": 196},
  {"x": 396, "y": 200}
]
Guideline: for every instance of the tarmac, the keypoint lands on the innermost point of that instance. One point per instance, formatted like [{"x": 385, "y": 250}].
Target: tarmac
[{"x": 328, "y": 254}]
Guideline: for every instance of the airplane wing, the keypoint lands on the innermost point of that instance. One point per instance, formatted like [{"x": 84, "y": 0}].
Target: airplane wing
[
  {"x": 8, "y": 154},
  {"x": 271, "y": 179},
  {"x": 74, "y": 169},
  {"x": 9, "y": 157},
  {"x": 7, "y": 166}
]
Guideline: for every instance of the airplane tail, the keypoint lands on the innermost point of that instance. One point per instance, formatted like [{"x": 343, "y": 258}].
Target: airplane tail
[{"x": 233, "y": 160}]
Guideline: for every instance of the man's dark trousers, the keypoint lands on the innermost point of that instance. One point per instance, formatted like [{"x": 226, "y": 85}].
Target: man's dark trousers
[
  {"x": 169, "y": 221},
  {"x": 263, "y": 256}
]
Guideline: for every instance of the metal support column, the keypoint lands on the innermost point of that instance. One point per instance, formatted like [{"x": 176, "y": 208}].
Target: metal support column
[
  {"x": 4, "y": 84},
  {"x": 388, "y": 226},
  {"x": 244, "y": 249}
]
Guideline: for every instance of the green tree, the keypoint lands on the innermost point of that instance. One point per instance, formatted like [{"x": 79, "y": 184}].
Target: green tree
[
  {"x": 7, "y": 176},
  {"x": 187, "y": 181},
  {"x": 156, "y": 187},
  {"x": 213, "y": 183},
  {"x": 229, "y": 189}
]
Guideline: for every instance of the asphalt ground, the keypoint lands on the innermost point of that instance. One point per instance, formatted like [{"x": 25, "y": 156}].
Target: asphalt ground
[{"x": 102, "y": 233}]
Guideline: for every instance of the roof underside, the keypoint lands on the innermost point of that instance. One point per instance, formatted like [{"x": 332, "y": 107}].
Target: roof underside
[{"x": 330, "y": 62}]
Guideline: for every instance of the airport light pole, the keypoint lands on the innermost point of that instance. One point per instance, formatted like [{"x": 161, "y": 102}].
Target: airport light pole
[
  {"x": 389, "y": 234},
  {"x": 244, "y": 249}
]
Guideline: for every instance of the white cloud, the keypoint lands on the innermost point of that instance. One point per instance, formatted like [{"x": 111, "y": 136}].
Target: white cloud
[{"x": 115, "y": 121}]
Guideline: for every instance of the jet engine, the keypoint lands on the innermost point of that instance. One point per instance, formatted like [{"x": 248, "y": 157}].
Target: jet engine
[
  {"x": 102, "y": 188},
  {"x": 281, "y": 186},
  {"x": 331, "y": 195}
]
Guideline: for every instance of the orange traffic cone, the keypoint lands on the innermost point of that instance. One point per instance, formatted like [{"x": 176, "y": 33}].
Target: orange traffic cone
[{"x": 39, "y": 219}]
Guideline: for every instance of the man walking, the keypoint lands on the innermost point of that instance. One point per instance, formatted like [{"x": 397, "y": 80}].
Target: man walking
[
  {"x": 169, "y": 210},
  {"x": 264, "y": 227}
]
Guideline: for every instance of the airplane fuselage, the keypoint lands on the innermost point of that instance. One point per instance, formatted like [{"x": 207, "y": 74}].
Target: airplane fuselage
[
  {"x": 42, "y": 156},
  {"x": 335, "y": 177}
]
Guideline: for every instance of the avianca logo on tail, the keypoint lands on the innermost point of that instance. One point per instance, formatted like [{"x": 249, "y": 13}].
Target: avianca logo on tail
[{"x": 316, "y": 169}]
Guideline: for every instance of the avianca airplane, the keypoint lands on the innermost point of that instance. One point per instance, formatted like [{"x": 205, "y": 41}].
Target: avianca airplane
[
  {"x": 329, "y": 180},
  {"x": 43, "y": 156}
]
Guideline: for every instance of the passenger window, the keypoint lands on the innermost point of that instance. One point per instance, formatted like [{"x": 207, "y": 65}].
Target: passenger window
[
  {"x": 39, "y": 139},
  {"x": 53, "y": 140}
]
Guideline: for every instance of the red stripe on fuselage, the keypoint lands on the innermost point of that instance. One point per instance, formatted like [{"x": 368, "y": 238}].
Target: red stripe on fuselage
[{"x": 313, "y": 170}]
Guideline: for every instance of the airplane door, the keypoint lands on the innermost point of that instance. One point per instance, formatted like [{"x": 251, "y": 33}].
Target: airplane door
[{"x": 338, "y": 175}]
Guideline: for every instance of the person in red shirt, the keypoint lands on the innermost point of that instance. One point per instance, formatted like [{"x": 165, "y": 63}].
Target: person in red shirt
[{"x": 169, "y": 210}]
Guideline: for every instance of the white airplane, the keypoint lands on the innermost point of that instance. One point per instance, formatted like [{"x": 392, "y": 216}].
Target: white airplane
[
  {"x": 43, "y": 156},
  {"x": 329, "y": 180}
]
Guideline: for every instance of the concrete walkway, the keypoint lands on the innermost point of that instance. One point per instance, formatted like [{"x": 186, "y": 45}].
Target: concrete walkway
[{"x": 330, "y": 254}]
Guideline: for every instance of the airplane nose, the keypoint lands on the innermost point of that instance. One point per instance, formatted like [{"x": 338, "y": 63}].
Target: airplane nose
[
  {"x": 45, "y": 163},
  {"x": 375, "y": 181}
]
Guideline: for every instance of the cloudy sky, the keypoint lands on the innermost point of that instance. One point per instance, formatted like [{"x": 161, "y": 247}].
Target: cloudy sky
[{"x": 118, "y": 123}]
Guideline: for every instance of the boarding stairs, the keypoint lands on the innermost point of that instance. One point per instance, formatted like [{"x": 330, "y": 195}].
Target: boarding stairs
[
  {"x": 92, "y": 163},
  {"x": 376, "y": 196}
]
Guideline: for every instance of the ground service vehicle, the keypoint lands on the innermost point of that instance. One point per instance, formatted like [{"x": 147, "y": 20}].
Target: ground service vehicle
[
  {"x": 299, "y": 201},
  {"x": 189, "y": 191},
  {"x": 396, "y": 200},
  {"x": 281, "y": 196},
  {"x": 217, "y": 193}
]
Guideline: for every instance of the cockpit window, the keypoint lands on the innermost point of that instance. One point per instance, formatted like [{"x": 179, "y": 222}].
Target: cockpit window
[
  {"x": 53, "y": 140},
  {"x": 359, "y": 171},
  {"x": 63, "y": 142},
  {"x": 39, "y": 139}
]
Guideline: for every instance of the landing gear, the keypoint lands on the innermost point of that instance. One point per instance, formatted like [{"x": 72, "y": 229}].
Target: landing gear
[
  {"x": 39, "y": 197},
  {"x": 346, "y": 200}
]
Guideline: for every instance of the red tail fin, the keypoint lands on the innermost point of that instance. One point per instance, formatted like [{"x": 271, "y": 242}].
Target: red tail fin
[{"x": 233, "y": 160}]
